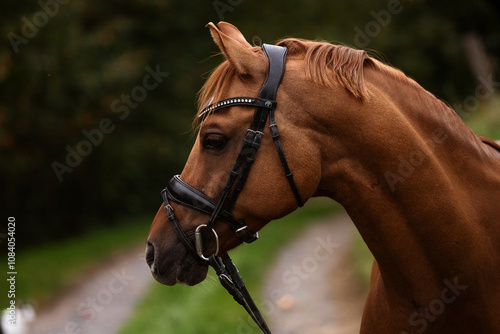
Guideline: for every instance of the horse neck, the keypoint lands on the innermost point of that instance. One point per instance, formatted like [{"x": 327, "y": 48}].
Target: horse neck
[{"x": 415, "y": 180}]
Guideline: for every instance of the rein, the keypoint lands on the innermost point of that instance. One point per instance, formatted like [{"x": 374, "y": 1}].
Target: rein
[{"x": 182, "y": 193}]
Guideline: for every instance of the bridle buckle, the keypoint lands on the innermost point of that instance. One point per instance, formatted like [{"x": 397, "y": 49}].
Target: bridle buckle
[
  {"x": 198, "y": 242},
  {"x": 246, "y": 235}
]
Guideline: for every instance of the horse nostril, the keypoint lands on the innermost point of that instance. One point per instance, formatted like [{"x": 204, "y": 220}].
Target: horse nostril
[{"x": 150, "y": 254}]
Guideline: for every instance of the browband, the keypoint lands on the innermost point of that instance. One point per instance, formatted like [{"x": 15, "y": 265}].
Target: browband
[{"x": 236, "y": 101}]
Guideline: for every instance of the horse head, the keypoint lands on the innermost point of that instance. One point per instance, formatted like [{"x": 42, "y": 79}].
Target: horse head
[{"x": 266, "y": 194}]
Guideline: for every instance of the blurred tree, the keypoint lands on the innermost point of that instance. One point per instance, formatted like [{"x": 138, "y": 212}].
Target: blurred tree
[
  {"x": 96, "y": 98},
  {"x": 66, "y": 68},
  {"x": 477, "y": 24}
]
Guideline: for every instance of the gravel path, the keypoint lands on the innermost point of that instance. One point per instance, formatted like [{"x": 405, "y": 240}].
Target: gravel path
[
  {"x": 311, "y": 289},
  {"x": 102, "y": 303}
]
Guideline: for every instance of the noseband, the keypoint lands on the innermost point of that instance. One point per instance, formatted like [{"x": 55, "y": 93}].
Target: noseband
[{"x": 182, "y": 193}]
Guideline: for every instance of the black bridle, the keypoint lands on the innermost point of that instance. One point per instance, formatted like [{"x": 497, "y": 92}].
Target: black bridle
[{"x": 182, "y": 193}]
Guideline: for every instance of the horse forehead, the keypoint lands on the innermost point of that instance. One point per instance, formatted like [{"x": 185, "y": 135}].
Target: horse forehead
[
  {"x": 248, "y": 85},
  {"x": 233, "y": 120}
]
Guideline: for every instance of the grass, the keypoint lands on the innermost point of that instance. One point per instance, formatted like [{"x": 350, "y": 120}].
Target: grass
[
  {"x": 208, "y": 308},
  {"x": 485, "y": 120},
  {"x": 46, "y": 271},
  {"x": 361, "y": 261}
]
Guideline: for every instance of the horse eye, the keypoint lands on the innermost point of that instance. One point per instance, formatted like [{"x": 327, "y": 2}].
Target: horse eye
[{"x": 214, "y": 141}]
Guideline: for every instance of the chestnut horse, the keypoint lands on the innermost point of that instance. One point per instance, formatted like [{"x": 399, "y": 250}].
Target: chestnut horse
[{"x": 421, "y": 188}]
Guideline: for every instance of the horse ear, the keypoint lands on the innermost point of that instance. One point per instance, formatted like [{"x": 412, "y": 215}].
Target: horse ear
[{"x": 235, "y": 48}]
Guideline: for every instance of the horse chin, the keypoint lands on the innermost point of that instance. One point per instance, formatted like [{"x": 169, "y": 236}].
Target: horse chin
[{"x": 180, "y": 267}]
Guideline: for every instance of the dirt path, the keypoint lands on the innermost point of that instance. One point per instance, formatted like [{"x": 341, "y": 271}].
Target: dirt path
[
  {"x": 102, "y": 303},
  {"x": 311, "y": 289}
]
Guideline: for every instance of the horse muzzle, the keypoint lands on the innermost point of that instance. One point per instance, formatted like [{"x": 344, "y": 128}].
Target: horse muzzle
[{"x": 175, "y": 264}]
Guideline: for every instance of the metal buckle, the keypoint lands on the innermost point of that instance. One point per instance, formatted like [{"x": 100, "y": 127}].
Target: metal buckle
[
  {"x": 255, "y": 132},
  {"x": 246, "y": 235},
  {"x": 199, "y": 242}
]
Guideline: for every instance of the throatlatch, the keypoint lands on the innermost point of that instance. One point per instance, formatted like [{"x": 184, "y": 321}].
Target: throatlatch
[{"x": 182, "y": 193}]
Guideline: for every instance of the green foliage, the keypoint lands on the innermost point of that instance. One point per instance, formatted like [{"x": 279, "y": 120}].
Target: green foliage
[
  {"x": 62, "y": 75},
  {"x": 68, "y": 78},
  {"x": 486, "y": 120}
]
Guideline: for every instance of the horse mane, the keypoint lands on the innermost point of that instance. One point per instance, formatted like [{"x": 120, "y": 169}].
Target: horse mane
[
  {"x": 325, "y": 63},
  {"x": 330, "y": 64}
]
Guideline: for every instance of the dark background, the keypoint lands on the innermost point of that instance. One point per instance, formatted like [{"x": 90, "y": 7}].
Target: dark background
[{"x": 66, "y": 66}]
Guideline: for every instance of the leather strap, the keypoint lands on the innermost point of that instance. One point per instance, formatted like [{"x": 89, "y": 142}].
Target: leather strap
[
  {"x": 175, "y": 223},
  {"x": 288, "y": 174},
  {"x": 231, "y": 280},
  {"x": 241, "y": 169},
  {"x": 277, "y": 57},
  {"x": 182, "y": 193}
]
